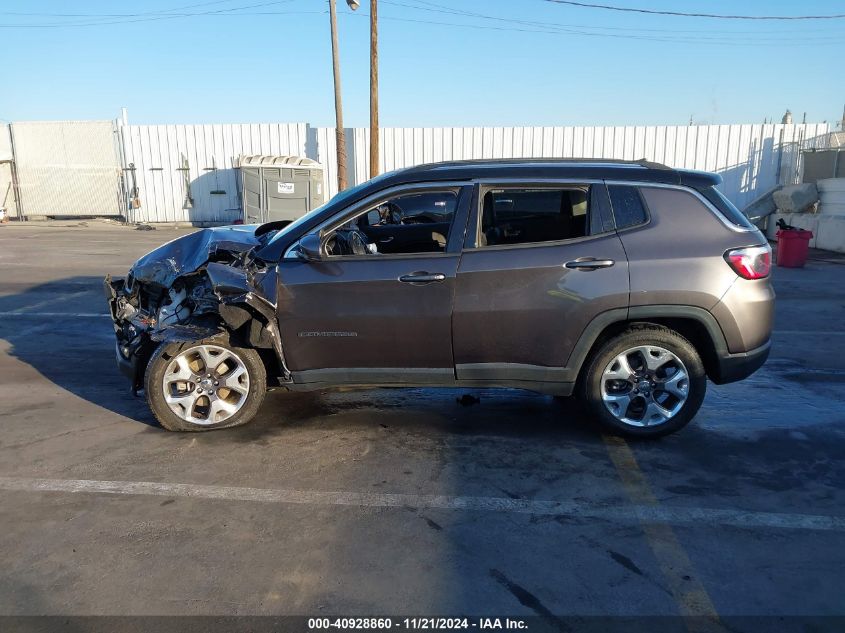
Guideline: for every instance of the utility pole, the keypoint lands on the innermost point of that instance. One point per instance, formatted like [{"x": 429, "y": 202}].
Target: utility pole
[
  {"x": 338, "y": 106},
  {"x": 374, "y": 131}
]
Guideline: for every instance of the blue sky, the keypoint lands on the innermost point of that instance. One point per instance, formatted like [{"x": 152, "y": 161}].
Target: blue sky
[{"x": 528, "y": 62}]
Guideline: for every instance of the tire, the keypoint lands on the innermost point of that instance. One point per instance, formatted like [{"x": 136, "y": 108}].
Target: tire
[
  {"x": 182, "y": 370},
  {"x": 626, "y": 409}
]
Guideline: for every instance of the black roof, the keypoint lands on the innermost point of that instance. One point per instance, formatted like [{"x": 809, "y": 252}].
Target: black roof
[
  {"x": 504, "y": 169},
  {"x": 543, "y": 168}
]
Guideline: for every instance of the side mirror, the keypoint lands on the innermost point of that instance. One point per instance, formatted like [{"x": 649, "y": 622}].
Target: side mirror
[{"x": 309, "y": 248}]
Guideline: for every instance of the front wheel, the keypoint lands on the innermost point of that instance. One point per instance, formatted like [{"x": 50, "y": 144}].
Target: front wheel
[
  {"x": 648, "y": 381},
  {"x": 204, "y": 385}
]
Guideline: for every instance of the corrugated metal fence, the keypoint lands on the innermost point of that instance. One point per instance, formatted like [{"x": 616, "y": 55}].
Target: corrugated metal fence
[
  {"x": 186, "y": 173},
  {"x": 750, "y": 158}
]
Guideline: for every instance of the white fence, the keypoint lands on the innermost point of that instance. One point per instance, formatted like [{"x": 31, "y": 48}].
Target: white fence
[
  {"x": 750, "y": 158},
  {"x": 67, "y": 168},
  {"x": 186, "y": 173},
  {"x": 5, "y": 143},
  {"x": 7, "y": 188}
]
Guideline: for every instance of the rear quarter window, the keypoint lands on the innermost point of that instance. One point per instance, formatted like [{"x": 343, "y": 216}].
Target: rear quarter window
[
  {"x": 725, "y": 207},
  {"x": 628, "y": 206}
]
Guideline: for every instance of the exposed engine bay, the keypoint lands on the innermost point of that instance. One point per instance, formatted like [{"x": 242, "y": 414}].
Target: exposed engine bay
[{"x": 196, "y": 287}]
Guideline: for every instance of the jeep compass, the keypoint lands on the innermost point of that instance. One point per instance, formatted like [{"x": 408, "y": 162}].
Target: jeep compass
[{"x": 625, "y": 283}]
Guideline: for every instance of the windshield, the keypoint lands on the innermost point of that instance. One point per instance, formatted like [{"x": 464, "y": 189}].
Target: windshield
[{"x": 340, "y": 198}]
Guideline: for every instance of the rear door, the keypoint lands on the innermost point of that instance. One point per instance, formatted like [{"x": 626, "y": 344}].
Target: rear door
[{"x": 541, "y": 261}]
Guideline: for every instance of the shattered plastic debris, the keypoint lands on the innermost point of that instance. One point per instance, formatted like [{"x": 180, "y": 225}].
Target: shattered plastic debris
[{"x": 185, "y": 332}]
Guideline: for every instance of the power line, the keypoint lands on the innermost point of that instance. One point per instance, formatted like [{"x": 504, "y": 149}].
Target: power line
[
  {"x": 439, "y": 8},
  {"x": 560, "y": 31},
  {"x": 698, "y": 15},
  {"x": 514, "y": 25},
  {"x": 528, "y": 26},
  {"x": 153, "y": 16},
  {"x": 110, "y": 15}
]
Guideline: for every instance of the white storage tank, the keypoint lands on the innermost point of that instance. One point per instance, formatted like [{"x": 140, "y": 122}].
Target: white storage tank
[{"x": 279, "y": 187}]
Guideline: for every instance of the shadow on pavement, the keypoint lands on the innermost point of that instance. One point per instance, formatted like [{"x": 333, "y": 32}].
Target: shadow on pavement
[{"x": 77, "y": 354}]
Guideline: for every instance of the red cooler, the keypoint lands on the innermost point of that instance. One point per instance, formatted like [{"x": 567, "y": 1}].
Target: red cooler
[{"x": 793, "y": 245}]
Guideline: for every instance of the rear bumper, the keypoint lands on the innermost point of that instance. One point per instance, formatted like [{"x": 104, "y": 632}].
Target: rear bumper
[{"x": 733, "y": 367}]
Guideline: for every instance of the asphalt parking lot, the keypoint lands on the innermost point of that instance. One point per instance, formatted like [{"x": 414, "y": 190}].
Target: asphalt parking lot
[{"x": 403, "y": 501}]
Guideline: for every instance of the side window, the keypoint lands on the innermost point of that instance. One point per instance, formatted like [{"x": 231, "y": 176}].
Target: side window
[
  {"x": 529, "y": 215},
  {"x": 726, "y": 207},
  {"x": 417, "y": 222},
  {"x": 415, "y": 208},
  {"x": 628, "y": 206}
]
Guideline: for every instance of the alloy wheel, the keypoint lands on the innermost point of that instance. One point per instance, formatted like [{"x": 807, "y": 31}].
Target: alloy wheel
[
  {"x": 206, "y": 384},
  {"x": 645, "y": 385}
]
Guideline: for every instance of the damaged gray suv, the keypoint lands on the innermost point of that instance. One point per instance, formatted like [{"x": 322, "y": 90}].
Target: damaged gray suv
[{"x": 628, "y": 284}]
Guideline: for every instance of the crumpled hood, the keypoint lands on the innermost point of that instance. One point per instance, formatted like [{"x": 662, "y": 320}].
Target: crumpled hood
[{"x": 189, "y": 253}]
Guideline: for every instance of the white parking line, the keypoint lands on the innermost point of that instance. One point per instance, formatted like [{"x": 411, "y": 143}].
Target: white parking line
[
  {"x": 623, "y": 513},
  {"x": 804, "y": 332},
  {"x": 56, "y": 299},
  {"x": 83, "y": 315}
]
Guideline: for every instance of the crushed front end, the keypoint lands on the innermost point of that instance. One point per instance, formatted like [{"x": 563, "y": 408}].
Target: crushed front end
[{"x": 193, "y": 288}]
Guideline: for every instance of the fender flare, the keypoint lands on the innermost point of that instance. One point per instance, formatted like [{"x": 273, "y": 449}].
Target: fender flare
[
  {"x": 695, "y": 313},
  {"x": 606, "y": 319}
]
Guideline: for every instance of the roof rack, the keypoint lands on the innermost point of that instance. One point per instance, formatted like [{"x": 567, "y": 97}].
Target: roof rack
[
  {"x": 642, "y": 162},
  {"x": 651, "y": 164}
]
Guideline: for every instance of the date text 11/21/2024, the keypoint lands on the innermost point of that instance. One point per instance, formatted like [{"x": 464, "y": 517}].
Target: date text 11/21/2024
[{"x": 422, "y": 623}]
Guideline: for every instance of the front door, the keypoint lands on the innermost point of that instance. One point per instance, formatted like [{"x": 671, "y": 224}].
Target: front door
[
  {"x": 363, "y": 316},
  {"x": 544, "y": 261}
]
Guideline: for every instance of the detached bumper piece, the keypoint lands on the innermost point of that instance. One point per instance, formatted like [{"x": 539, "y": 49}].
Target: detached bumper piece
[{"x": 132, "y": 345}]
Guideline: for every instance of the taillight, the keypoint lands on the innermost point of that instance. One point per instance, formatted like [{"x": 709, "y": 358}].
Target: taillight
[{"x": 751, "y": 262}]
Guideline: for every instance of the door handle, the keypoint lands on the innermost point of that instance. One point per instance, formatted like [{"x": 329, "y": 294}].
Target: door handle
[
  {"x": 589, "y": 263},
  {"x": 386, "y": 240},
  {"x": 422, "y": 278}
]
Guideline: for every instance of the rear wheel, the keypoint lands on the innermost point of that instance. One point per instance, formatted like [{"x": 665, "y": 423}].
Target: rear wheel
[
  {"x": 648, "y": 381},
  {"x": 204, "y": 385}
]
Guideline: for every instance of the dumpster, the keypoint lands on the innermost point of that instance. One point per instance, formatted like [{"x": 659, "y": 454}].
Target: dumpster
[{"x": 793, "y": 245}]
